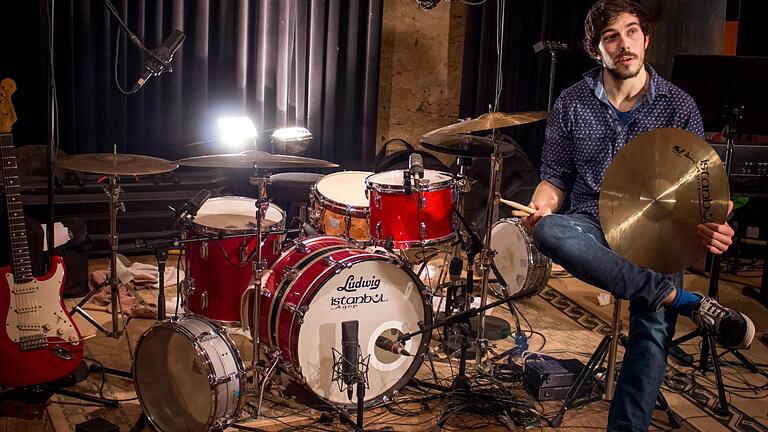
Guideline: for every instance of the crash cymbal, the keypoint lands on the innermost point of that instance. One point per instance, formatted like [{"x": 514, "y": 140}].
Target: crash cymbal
[
  {"x": 116, "y": 164},
  {"x": 657, "y": 189},
  {"x": 468, "y": 145},
  {"x": 255, "y": 159},
  {"x": 491, "y": 120}
]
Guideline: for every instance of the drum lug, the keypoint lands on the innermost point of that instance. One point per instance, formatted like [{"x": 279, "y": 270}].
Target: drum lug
[
  {"x": 422, "y": 201},
  {"x": 296, "y": 310},
  {"x": 348, "y": 223},
  {"x": 243, "y": 253},
  {"x": 290, "y": 273},
  {"x": 189, "y": 286},
  {"x": 379, "y": 229},
  {"x": 423, "y": 230},
  {"x": 300, "y": 246},
  {"x": 204, "y": 300},
  {"x": 337, "y": 265},
  {"x": 377, "y": 200},
  {"x": 223, "y": 380},
  {"x": 204, "y": 250}
]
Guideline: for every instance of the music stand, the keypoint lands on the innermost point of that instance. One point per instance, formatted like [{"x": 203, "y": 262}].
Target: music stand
[{"x": 723, "y": 89}]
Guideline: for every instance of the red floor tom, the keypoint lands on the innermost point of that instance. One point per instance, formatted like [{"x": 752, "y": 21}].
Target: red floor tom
[{"x": 220, "y": 270}]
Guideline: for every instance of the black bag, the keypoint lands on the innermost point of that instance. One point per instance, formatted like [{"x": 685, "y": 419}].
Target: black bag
[
  {"x": 399, "y": 159},
  {"x": 73, "y": 252}
]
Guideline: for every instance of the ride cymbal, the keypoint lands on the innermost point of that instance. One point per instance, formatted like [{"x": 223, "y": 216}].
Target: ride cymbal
[
  {"x": 491, "y": 120},
  {"x": 657, "y": 189},
  {"x": 116, "y": 164},
  {"x": 255, "y": 159},
  {"x": 468, "y": 145}
]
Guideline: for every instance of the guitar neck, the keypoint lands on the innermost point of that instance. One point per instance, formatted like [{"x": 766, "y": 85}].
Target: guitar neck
[{"x": 22, "y": 269}]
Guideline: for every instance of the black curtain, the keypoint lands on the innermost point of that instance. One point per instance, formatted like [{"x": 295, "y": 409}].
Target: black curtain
[
  {"x": 525, "y": 73},
  {"x": 311, "y": 63}
]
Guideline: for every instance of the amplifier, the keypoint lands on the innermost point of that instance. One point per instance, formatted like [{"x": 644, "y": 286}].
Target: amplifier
[
  {"x": 545, "y": 379},
  {"x": 749, "y": 168}
]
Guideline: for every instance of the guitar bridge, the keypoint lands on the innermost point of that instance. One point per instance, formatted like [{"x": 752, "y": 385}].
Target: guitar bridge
[{"x": 27, "y": 343}]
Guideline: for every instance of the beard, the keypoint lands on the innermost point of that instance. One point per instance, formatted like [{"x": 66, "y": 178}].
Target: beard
[{"x": 625, "y": 74}]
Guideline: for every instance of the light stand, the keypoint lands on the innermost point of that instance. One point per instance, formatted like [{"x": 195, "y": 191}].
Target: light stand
[
  {"x": 552, "y": 47},
  {"x": 708, "y": 347}
]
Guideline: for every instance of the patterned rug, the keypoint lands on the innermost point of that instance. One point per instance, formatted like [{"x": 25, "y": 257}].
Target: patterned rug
[{"x": 578, "y": 335}]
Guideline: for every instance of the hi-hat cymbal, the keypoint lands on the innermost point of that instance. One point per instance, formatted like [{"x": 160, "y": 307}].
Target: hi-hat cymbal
[
  {"x": 116, "y": 164},
  {"x": 255, "y": 159},
  {"x": 658, "y": 188},
  {"x": 468, "y": 145},
  {"x": 491, "y": 120}
]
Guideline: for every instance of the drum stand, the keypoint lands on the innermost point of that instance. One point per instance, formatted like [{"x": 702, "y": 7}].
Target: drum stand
[
  {"x": 260, "y": 180},
  {"x": 486, "y": 255},
  {"x": 113, "y": 193}
]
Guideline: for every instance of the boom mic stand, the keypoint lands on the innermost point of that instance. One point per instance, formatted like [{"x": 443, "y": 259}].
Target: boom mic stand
[{"x": 708, "y": 347}]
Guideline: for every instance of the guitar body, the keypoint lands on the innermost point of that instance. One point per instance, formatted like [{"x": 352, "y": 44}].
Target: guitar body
[
  {"x": 40, "y": 342},
  {"x": 62, "y": 351}
]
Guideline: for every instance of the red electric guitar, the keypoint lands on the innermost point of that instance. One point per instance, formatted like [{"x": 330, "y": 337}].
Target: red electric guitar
[{"x": 39, "y": 342}]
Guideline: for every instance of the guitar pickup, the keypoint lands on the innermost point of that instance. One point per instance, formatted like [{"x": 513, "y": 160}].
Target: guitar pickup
[{"x": 28, "y": 309}]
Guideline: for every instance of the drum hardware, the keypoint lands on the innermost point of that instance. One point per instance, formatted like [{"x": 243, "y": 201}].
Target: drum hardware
[{"x": 112, "y": 165}]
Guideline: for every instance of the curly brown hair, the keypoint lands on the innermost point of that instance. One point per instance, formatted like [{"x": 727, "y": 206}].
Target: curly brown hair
[{"x": 601, "y": 13}]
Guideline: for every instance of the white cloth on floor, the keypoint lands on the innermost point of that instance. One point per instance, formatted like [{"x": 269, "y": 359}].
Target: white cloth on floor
[{"x": 140, "y": 273}]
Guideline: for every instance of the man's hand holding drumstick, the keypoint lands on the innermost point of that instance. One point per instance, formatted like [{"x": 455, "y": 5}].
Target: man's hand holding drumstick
[{"x": 546, "y": 200}]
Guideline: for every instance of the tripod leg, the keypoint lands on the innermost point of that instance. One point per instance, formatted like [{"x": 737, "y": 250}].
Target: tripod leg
[
  {"x": 663, "y": 405},
  {"x": 594, "y": 362},
  {"x": 722, "y": 408},
  {"x": 744, "y": 361}
]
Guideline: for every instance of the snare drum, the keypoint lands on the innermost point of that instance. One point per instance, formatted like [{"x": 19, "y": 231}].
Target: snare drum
[
  {"x": 339, "y": 206},
  {"x": 188, "y": 375},
  {"x": 415, "y": 218},
  {"x": 220, "y": 270},
  {"x": 318, "y": 283},
  {"x": 524, "y": 269}
]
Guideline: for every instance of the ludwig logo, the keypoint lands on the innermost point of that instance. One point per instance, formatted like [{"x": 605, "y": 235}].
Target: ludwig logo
[{"x": 352, "y": 285}]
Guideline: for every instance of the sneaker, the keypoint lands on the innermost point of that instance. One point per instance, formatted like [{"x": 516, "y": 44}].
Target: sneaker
[{"x": 732, "y": 329}]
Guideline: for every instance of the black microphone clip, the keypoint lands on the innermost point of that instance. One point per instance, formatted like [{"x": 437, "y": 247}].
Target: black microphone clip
[
  {"x": 190, "y": 208},
  {"x": 158, "y": 60}
]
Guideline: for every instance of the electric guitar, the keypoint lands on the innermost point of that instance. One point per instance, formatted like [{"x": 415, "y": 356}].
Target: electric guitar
[{"x": 39, "y": 342}]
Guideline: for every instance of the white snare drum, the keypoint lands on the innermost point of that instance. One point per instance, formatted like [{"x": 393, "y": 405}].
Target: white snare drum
[
  {"x": 523, "y": 267},
  {"x": 188, "y": 375},
  {"x": 339, "y": 205}
]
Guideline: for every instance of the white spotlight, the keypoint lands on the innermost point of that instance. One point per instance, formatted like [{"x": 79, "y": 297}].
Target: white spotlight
[
  {"x": 236, "y": 131},
  {"x": 291, "y": 140}
]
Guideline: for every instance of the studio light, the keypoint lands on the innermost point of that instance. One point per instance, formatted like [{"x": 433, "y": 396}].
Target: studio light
[
  {"x": 236, "y": 132},
  {"x": 291, "y": 140}
]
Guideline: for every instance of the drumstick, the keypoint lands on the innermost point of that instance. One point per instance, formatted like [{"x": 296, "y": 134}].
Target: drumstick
[
  {"x": 519, "y": 213},
  {"x": 518, "y": 206}
]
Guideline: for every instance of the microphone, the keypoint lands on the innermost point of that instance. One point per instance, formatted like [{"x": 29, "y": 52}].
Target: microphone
[
  {"x": 391, "y": 346},
  {"x": 349, "y": 354},
  {"x": 416, "y": 165},
  {"x": 159, "y": 60},
  {"x": 190, "y": 208}
]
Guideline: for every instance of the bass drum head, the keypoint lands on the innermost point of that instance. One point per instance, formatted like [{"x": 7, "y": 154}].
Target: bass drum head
[
  {"x": 513, "y": 253},
  {"x": 386, "y": 300},
  {"x": 172, "y": 368}
]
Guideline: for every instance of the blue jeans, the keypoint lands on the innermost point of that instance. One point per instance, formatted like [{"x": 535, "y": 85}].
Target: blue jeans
[{"x": 577, "y": 243}]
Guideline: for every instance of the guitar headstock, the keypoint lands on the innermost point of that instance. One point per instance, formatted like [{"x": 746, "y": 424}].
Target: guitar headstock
[{"x": 7, "y": 113}]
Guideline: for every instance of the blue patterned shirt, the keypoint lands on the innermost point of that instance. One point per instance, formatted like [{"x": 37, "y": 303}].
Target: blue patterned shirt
[{"x": 584, "y": 133}]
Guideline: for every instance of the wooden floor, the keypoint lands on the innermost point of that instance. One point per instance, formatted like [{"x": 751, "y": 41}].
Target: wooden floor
[{"x": 569, "y": 323}]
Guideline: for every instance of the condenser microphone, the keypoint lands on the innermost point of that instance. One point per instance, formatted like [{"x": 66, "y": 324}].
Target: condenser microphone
[
  {"x": 190, "y": 208},
  {"x": 159, "y": 60},
  {"x": 391, "y": 346},
  {"x": 416, "y": 165},
  {"x": 349, "y": 354}
]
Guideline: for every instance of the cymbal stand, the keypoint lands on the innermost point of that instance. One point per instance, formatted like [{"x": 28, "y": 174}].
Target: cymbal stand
[
  {"x": 113, "y": 193},
  {"x": 457, "y": 262},
  {"x": 260, "y": 180},
  {"x": 486, "y": 256}
]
